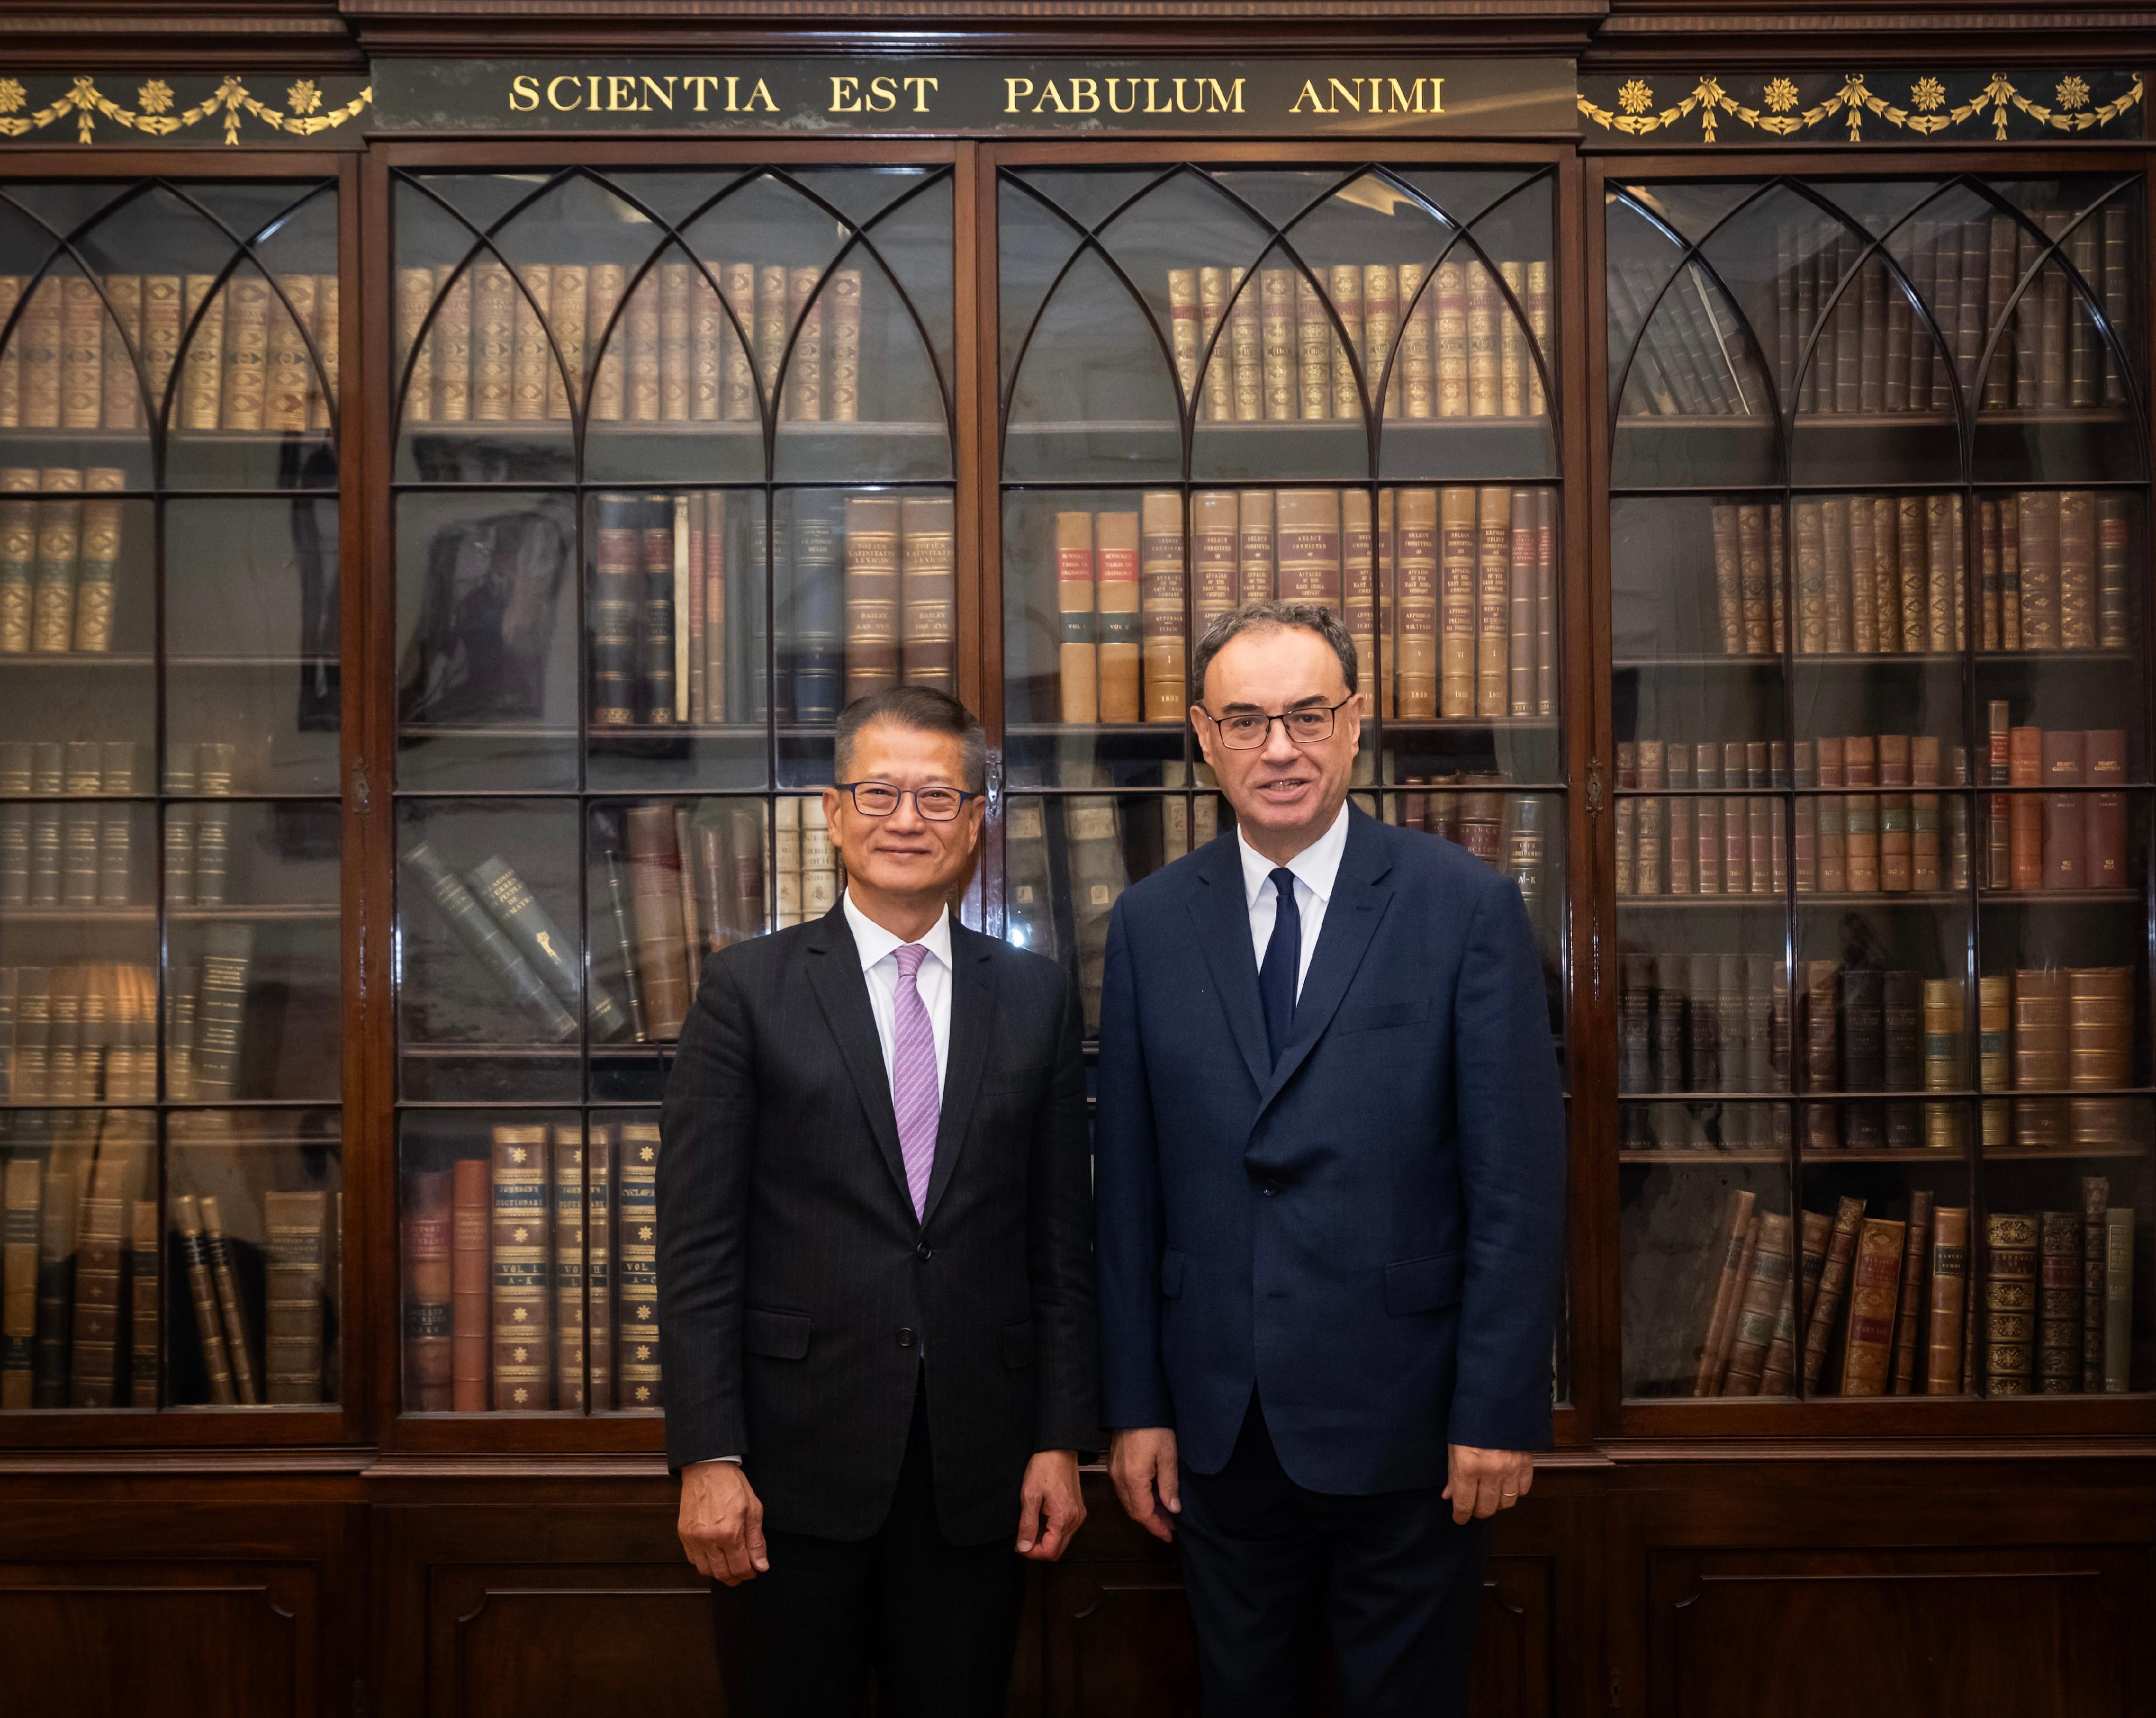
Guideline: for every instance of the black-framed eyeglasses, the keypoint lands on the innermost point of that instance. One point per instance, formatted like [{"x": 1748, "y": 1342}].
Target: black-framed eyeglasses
[
  {"x": 880, "y": 799},
  {"x": 1248, "y": 731}
]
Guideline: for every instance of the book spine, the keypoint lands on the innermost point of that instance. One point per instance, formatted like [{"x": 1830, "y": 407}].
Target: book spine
[
  {"x": 643, "y": 395},
  {"x": 1382, "y": 367},
  {"x": 1249, "y": 342},
  {"x": 209, "y": 1326},
  {"x": 1875, "y": 1282},
  {"x": 2038, "y": 515},
  {"x": 1908, "y": 1319},
  {"x": 415, "y": 357},
  {"x": 1313, "y": 346},
  {"x": 1485, "y": 361},
  {"x": 1077, "y": 650},
  {"x": 2076, "y": 566},
  {"x": 246, "y": 352},
  {"x": 238, "y": 1343},
  {"x": 637, "y": 1365},
  {"x": 927, "y": 568},
  {"x": 676, "y": 343},
  {"x": 739, "y": 345},
  {"x": 530, "y": 361},
  {"x": 1161, "y": 598},
  {"x": 1833, "y": 1284},
  {"x": 94, "y": 1353},
  {"x": 655, "y": 898},
  {"x": 842, "y": 357},
  {"x": 523, "y": 1352},
  {"x": 1726, "y": 1263},
  {"x": 1492, "y": 601},
  {"x": 487, "y": 943},
  {"x": 1184, "y": 332},
  {"x": 2009, "y": 1303},
  {"x": 1949, "y": 1290},
  {"x": 1256, "y": 551},
  {"x": 598, "y": 1269},
  {"x": 1216, "y": 347},
  {"x": 872, "y": 594},
  {"x": 221, "y": 1018},
  {"x": 19, "y": 1277},
  {"x": 2117, "y": 1300},
  {"x": 606, "y": 329},
  {"x": 121, "y": 402},
  {"x": 2096, "y": 1203},
  {"x": 566, "y": 1170},
  {"x": 658, "y": 654},
  {"x": 2058, "y": 1303},
  {"x": 804, "y": 380},
  {"x": 297, "y": 1258},
  {"x": 540, "y": 941},
  {"x": 98, "y": 571},
  {"x": 289, "y": 385},
  {"x": 1417, "y": 361},
  {"x": 470, "y": 1285},
  {"x": 1450, "y": 319},
  {"x": 59, "y": 554},
  {"x": 1457, "y": 604},
  {"x": 144, "y": 1280},
  {"x": 1308, "y": 546},
  {"x": 1764, "y": 1298}
]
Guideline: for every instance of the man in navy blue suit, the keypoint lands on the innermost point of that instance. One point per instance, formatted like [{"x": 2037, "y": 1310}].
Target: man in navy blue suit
[{"x": 1330, "y": 1183}]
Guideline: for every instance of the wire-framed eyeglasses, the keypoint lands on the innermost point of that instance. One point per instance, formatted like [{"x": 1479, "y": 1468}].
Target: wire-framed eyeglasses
[
  {"x": 880, "y": 799},
  {"x": 1248, "y": 729}
]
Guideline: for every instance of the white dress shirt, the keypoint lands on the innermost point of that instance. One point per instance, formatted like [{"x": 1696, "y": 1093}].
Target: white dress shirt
[
  {"x": 878, "y": 950},
  {"x": 1316, "y": 868}
]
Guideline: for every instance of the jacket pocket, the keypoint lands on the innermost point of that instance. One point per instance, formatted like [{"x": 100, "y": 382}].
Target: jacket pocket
[
  {"x": 1424, "y": 1284},
  {"x": 1171, "y": 1273},
  {"x": 1370, "y": 1016},
  {"x": 776, "y": 1336},
  {"x": 1018, "y": 1344}
]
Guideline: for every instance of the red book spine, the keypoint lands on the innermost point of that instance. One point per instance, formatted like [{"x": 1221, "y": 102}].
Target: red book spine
[
  {"x": 2106, "y": 862},
  {"x": 427, "y": 1291},
  {"x": 471, "y": 1290},
  {"x": 2065, "y": 818},
  {"x": 2026, "y": 811}
]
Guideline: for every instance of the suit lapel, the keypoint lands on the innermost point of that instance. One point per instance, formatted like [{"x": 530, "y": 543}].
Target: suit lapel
[
  {"x": 1222, "y": 916},
  {"x": 972, "y": 1008},
  {"x": 842, "y": 991},
  {"x": 1360, "y": 896}
]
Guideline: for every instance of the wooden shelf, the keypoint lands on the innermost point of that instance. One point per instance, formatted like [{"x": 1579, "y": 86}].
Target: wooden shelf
[{"x": 1708, "y": 1157}]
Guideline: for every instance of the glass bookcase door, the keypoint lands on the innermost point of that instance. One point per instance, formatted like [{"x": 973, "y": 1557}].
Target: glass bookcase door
[
  {"x": 1888, "y": 620},
  {"x": 170, "y": 817},
  {"x": 1332, "y": 384},
  {"x": 673, "y": 483}
]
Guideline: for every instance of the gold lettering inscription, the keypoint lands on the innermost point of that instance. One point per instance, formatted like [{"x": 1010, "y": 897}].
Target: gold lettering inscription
[
  {"x": 554, "y": 94},
  {"x": 662, "y": 94},
  {"x": 1308, "y": 93},
  {"x": 762, "y": 93},
  {"x": 523, "y": 95},
  {"x": 846, "y": 97},
  {"x": 921, "y": 88},
  {"x": 1015, "y": 90}
]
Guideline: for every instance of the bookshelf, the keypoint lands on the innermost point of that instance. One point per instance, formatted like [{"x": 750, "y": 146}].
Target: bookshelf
[{"x": 1876, "y": 515}]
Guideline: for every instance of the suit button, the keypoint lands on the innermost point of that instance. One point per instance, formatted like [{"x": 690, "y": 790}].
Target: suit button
[
  {"x": 1270, "y": 1188},
  {"x": 924, "y": 1252},
  {"x": 906, "y": 1338}
]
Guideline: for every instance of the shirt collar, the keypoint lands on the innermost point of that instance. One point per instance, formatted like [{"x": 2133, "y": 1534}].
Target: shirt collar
[
  {"x": 1316, "y": 867},
  {"x": 876, "y": 943}
]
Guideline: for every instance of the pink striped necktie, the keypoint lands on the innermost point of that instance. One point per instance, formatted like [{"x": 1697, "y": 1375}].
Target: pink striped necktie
[{"x": 916, "y": 1092}]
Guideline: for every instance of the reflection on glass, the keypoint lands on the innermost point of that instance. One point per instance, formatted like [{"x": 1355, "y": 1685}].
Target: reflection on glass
[{"x": 528, "y": 1242}]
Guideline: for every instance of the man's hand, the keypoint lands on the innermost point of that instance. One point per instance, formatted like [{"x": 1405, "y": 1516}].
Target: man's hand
[
  {"x": 721, "y": 1525},
  {"x": 1050, "y": 1509},
  {"x": 1142, "y": 1462},
  {"x": 1484, "y": 1481}
]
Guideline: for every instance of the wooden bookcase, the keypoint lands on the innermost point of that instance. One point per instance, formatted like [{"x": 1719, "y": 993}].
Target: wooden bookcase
[{"x": 1019, "y": 359}]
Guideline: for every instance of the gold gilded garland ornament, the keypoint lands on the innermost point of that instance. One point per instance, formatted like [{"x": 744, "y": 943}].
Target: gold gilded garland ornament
[
  {"x": 152, "y": 115},
  {"x": 1926, "y": 114}
]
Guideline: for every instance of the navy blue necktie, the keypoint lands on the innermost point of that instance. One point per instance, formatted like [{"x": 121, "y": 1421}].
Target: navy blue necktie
[{"x": 1276, "y": 973}]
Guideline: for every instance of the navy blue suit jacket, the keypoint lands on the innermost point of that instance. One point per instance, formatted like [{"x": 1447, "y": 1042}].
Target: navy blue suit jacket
[{"x": 1370, "y": 1233}]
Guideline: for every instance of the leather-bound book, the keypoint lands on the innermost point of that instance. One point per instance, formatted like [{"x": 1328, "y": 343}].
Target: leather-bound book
[
  {"x": 1754, "y": 604},
  {"x": 1668, "y": 1030},
  {"x": 1456, "y": 607},
  {"x": 1874, "y": 1293},
  {"x": 2010, "y": 1301},
  {"x": 1118, "y": 597},
  {"x": 1725, "y": 1262},
  {"x": 18, "y": 558},
  {"x": 1912, "y": 569},
  {"x": 2058, "y": 1303},
  {"x": 928, "y": 550},
  {"x": 1940, "y": 597},
  {"x": 2026, "y": 811},
  {"x": 488, "y": 943},
  {"x": 2112, "y": 557},
  {"x": 676, "y": 342},
  {"x": 1995, "y": 1051},
  {"x": 1944, "y": 254},
  {"x": 1908, "y": 1318},
  {"x": 1417, "y": 361},
  {"x": 289, "y": 382},
  {"x": 615, "y": 601},
  {"x": 530, "y": 358},
  {"x": 1886, "y": 574},
  {"x": 1702, "y": 1024},
  {"x": 120, "y": 323},
  {"x": 59, "y": 554},
  {"x": 1987, "y": 585},
  {"x": 872, "y": 594},
  {"x": 202, "y": 1291},
  {"x": 1974, "y": 321},
  {"x": 566, "y": 1172},
  {"x": 1902, "y": 1062},
  {"x": 710, "y": 566},
  {"x": 39, "y": 333},
  {"x": 1256, "y": 551},
  {"x": 523, "y": 1342},
  {"x": 2085, "y": 350},
  {"x": 1314, "y": 345},
  {"x": 494, "y": 340},
  {"x": 1822, "y": 1060},
  {"x": 145, "y": 1317},
  {"x": 1276, "y": 289},
  {"x": 1776, "y": 1379},
  {"x": 1217, "y": 388},
  {"x": 2041, "y": 1060},
  {"x": 1359, "y": 587},
  {"x": 1512, "y": 362},
  {"x": 1416, "y": 559},
  {"x": 2063, "y": 755},
  {"x": 642, "y": 394},
  {"x": 245, "y": 385},
  {"x": 1094, "y": 854},
  {"x": 1028, "y": 911},
  {"x": 637, "y": 1332},
  {"x": 1757, "y": 1316},
  {"x": 415, "y": 294},
  {"x": 98, "y": 569},
  {"x": 1215, "y": 524},
  {"x": 1948, "y": 1295},
  {"x": 228, "y": 955},
  {"x": 655, "y": 870},
  {"x": 1811, "y": 579},
  {"x": 2114, "y": 292},
  {"x": 2095, "y": 1202},
  {"x": 1345, "y": 286},
  {"x": 102, "y": 1240},
  {"x": 1521, "y": 578},
  {"x": 598, "y": 1268},
  {"x": 1998, "y": 286},
  {"x": 661, "y": 659},
  {"x": 55, "y": 1284},
  {"x": 1382, "y": 301},
  {"x": 224, "y": 1275},
  {"x": 740, "y": 398},
  {"x": 2105, "y": 810},
  {"x": 1627, "y": 815},
  {"x": 1546, "y": 601},
  {"x": 842, "y": 347},
  {"x": 1778, "y": 581},
  {"x": 2077, "y": 565},
  {"x": 1943, "y": 1020},
  {"x": 1860, "y": 817},
  {"x": 1864, "y": 1052},
  {"x": 1834, "y": 1285},
  {"x": 1307, "y": 524},
  {"x": 2038, "y": 514},
  {"x": 1247, "y": 345},
  {"x": 452, "y": 337},
  {"x": 567, "y": 300},
  {"x": 2117, "y": 1300},
  {"x": 530, "y": 928},
  {"x": 296, "y": 1257},
  {"x": 1493, "y": 591},
  {"x": 2099, "y": 1053},
  {"x": 1166, "y": 643},
  {"x": 1076, "y": 651},
  {"x": 770, "y": 325},
  {"x": 1485, "y": 359},
  {"x": 1183, "y": 331},
  {"x": 1677, "y": 823},
  {"x": 470, "y": 1285},
  {"x": 11, "y": 356},
  {"x": 1450, "y": 320},
  {"x": 1635, "y": 1024},
  {"x": 1762, "y": 1071}
]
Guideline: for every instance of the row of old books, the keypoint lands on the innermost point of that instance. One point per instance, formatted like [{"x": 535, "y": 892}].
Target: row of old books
[
  {"x": 2056, "y": 1312},
  {"x": 531, "y": 1275},
  {"x": 1451, "y": 342},
  {"x": 1734, "y": 1023},
  {"x": 85, "y": 1033},
  {"x": 1692, "y": 361},
  {"x": 1875, "y": 353},
  {"x": 72, "y": 360},
  {"x": 81, "y": 1272},
  {"x": 1509, "y": 832},
  {"x": 1450, "y": 595},
  {"x": 60, "y": 558},
  {"x": 75, "y": 856},
  {"x": 523, "y": 348},
  {"x": 2060, "y": 839},
  {"x": 864, "y": 599},
  {"x": 90, "y": 768}
]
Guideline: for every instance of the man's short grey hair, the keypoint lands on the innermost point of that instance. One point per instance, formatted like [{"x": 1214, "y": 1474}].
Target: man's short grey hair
[
  {"x": 924, "y": 708},
  {"x": 1264, "y": 616}
]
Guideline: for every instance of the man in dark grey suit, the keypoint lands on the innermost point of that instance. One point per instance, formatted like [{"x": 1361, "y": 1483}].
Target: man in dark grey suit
[{"x": 876, "y": 1274}]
